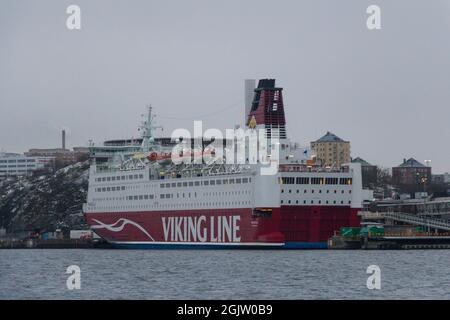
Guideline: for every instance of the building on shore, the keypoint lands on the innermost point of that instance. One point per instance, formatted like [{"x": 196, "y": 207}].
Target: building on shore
[
  {"x": 14, "y": 164},
  {"x": 442, "y": 178},
  {"x": 411, "y": 176},
  {"x": 63, "y": 157},
  {"x": 331, "y": 150},
  {"x": 368, "y": 172}
]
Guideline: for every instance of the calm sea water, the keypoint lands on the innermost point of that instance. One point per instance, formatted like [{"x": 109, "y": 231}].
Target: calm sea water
[{"x": 133, "y": 274}]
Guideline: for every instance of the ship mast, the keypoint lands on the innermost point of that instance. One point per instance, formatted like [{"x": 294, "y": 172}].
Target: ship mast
[{"x": 147, "y": 126}]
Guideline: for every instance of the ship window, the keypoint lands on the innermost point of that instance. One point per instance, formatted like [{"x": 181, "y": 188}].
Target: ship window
[
  {"x": 185, "y": 184},
  {"x": 161, "y": 185},
  {"x": 113, "y": 178},
  {"x": 197, "y": 183},
  {"x": 312, "y": 191},
  {"x": 312, "y": 201},
  {"x": 245, "y": 180},
  {"x": 108, "y": 189},
  {"x": 298, "y": 191},
  {"x": 331, "y": 180},
  {"x": 135, "y": 197},
  {"x": 130, "y": 177},
  {"x": 238, "y": 180},
  {"x": 290, "y": 191},
  {"x": 225, "y": 181},
  {"x": 287, "y": 180},
  {"x": 206, "y": 183},
  {"x": 302, "y": 180},
  {"x": 178, "y": 184},
  {"x": 191, "y": 183},
  {"x": 123, "y": 177},
  {"x": 342, "y": 191},
  {"x": 141, "y": 197},
  {"x": 162, "y": 196},
  {"x": 305, "y": 191},
  {"x": 320, "y": 201},
  {"x": 327, "y": 202},
  {"x": 281, "y": 201},
  {"x": 141, "y": 176},
  {"x": 103, "y": 189},
  {"x": 136, "y": 176},
  {"x": 108, "y": 179},
  {"x": 218, "y": 181},
  {"x": 167, "y": 185},
  {"x": 231, "y": 181},
  {"x": 289, "y": 201},
  {"x": 151, "y": 196},
  {"x": 282, "y": 190},
  {"x": 145, "y": 196},
  {"x": 212, "y": 182},
  {"x": 342, "y": 202},
  {"x": 174, "y": 184},
  {"x": 349, "y": 191},
  {"x": 304, "y": 201}
]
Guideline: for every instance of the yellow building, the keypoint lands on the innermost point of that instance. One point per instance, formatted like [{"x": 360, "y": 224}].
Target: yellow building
[{"x": 331, "y": 150}]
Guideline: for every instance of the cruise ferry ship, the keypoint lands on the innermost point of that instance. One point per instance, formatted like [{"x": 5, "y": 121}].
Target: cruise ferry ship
[{"x": 139, "y": 198}]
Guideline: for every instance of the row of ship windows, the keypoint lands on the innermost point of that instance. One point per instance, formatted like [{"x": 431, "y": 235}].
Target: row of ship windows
[
  {"x": 312, "y": 191},
  {"x": 179, "y": 205},
  {"x": 106, "y": 189},
  {"x": 177, "y": 184},
  {"x": 206, "y": 183},
  {"x": 161, "y": 196},
  {"x": 317, "y": 202},
  {"x": 118, "y": 178},
  {"x": 170, "y": 195},
  {"x": 307, "y": 180}
]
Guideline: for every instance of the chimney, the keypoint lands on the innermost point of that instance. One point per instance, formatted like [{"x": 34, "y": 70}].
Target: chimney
[
  {"x": 250, "y": 85},
  {"x": 64, "y": 139}
]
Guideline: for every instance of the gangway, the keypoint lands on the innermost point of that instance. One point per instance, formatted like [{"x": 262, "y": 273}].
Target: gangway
[{"x": 413, "y": 219}]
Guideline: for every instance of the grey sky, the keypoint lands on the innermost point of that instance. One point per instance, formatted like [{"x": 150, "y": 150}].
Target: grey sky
[{"x": 386, "y": 91}]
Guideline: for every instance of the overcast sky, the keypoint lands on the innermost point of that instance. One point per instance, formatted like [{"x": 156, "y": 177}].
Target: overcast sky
[{"x": 386, "y": 91}]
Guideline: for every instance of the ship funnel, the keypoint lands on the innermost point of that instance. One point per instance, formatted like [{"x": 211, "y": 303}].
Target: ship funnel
[{"x": 267, "y": 109}]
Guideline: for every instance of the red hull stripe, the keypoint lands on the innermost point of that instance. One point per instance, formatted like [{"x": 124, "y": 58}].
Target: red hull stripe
[{"x": 226, "y": 227}]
